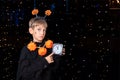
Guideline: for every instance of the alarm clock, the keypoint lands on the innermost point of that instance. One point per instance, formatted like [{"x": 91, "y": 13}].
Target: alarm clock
[{"x": 57, "y": 48}]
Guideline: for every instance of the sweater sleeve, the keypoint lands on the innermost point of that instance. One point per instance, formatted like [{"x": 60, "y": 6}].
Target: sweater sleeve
[{"x": 29, "y": 66}]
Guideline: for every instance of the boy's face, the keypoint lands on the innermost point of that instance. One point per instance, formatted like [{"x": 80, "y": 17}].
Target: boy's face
[{"x": 38, "y": 33}]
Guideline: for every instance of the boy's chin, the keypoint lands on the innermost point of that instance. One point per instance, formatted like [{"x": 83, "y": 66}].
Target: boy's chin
[{"x": 40, "y": 40}]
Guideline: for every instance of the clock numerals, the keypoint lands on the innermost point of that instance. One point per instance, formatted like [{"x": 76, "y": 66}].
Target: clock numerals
[{"x": 57, "y": 48}]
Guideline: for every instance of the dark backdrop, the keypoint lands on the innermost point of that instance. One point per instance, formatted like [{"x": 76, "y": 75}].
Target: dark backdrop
[{"x": 89, "y": 29}]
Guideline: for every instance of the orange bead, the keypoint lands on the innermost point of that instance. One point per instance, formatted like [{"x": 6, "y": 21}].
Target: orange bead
[
  {"x": 42, "y": 51},
  {"x": 49, "y": 44},
  {"x": 31, "y": 46}
]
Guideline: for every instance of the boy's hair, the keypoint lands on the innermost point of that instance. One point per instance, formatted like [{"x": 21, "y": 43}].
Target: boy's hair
[{"x": 37, "y": 21}]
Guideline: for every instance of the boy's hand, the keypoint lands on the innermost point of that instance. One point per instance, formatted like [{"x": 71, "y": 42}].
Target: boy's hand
[
  {"x": 63, "y": 51},
  {"x": 49, "y": 58}
]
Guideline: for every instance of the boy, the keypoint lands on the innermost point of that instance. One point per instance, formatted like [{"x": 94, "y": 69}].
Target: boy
[{"x": 33, "y": 66}]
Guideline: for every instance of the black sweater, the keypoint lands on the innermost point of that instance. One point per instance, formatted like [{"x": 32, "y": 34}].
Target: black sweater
[{"x": 32, "y": 66}]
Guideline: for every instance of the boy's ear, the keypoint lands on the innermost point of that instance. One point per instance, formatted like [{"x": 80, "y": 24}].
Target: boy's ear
[{"x": 30, "y": 30}]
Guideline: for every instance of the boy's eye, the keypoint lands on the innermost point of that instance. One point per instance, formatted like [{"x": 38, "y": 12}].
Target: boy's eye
[
  {"x": 39, "y": 29},
  {"x": 44, "y": 30}
]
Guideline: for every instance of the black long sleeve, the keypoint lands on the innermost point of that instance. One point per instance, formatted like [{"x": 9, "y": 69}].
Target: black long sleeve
[{"x": 30, "y": 65}]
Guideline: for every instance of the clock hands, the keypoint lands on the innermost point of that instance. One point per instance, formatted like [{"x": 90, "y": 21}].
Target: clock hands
[{"x": 57, "y": 48}]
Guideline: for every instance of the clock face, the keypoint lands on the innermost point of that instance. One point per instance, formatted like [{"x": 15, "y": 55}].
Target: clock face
[{"x": 57, "y": 48}]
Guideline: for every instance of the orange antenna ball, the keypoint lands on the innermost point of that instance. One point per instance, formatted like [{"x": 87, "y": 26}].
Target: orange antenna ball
[
  {"x": 48, "y": 12},
  {"x": 42, "y": 51},
  {"x": 35, "y": 11}
]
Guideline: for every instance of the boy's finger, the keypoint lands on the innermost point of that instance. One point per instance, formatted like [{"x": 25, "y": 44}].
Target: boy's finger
[{"x": 51, "y": 54}]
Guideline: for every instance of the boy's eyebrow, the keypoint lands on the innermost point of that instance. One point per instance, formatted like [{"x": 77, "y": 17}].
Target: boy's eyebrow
[{"x": 35, "y": 25}]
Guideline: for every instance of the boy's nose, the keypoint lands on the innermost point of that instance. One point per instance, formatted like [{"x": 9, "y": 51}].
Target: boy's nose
[{"x": 42, "y": 32}]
